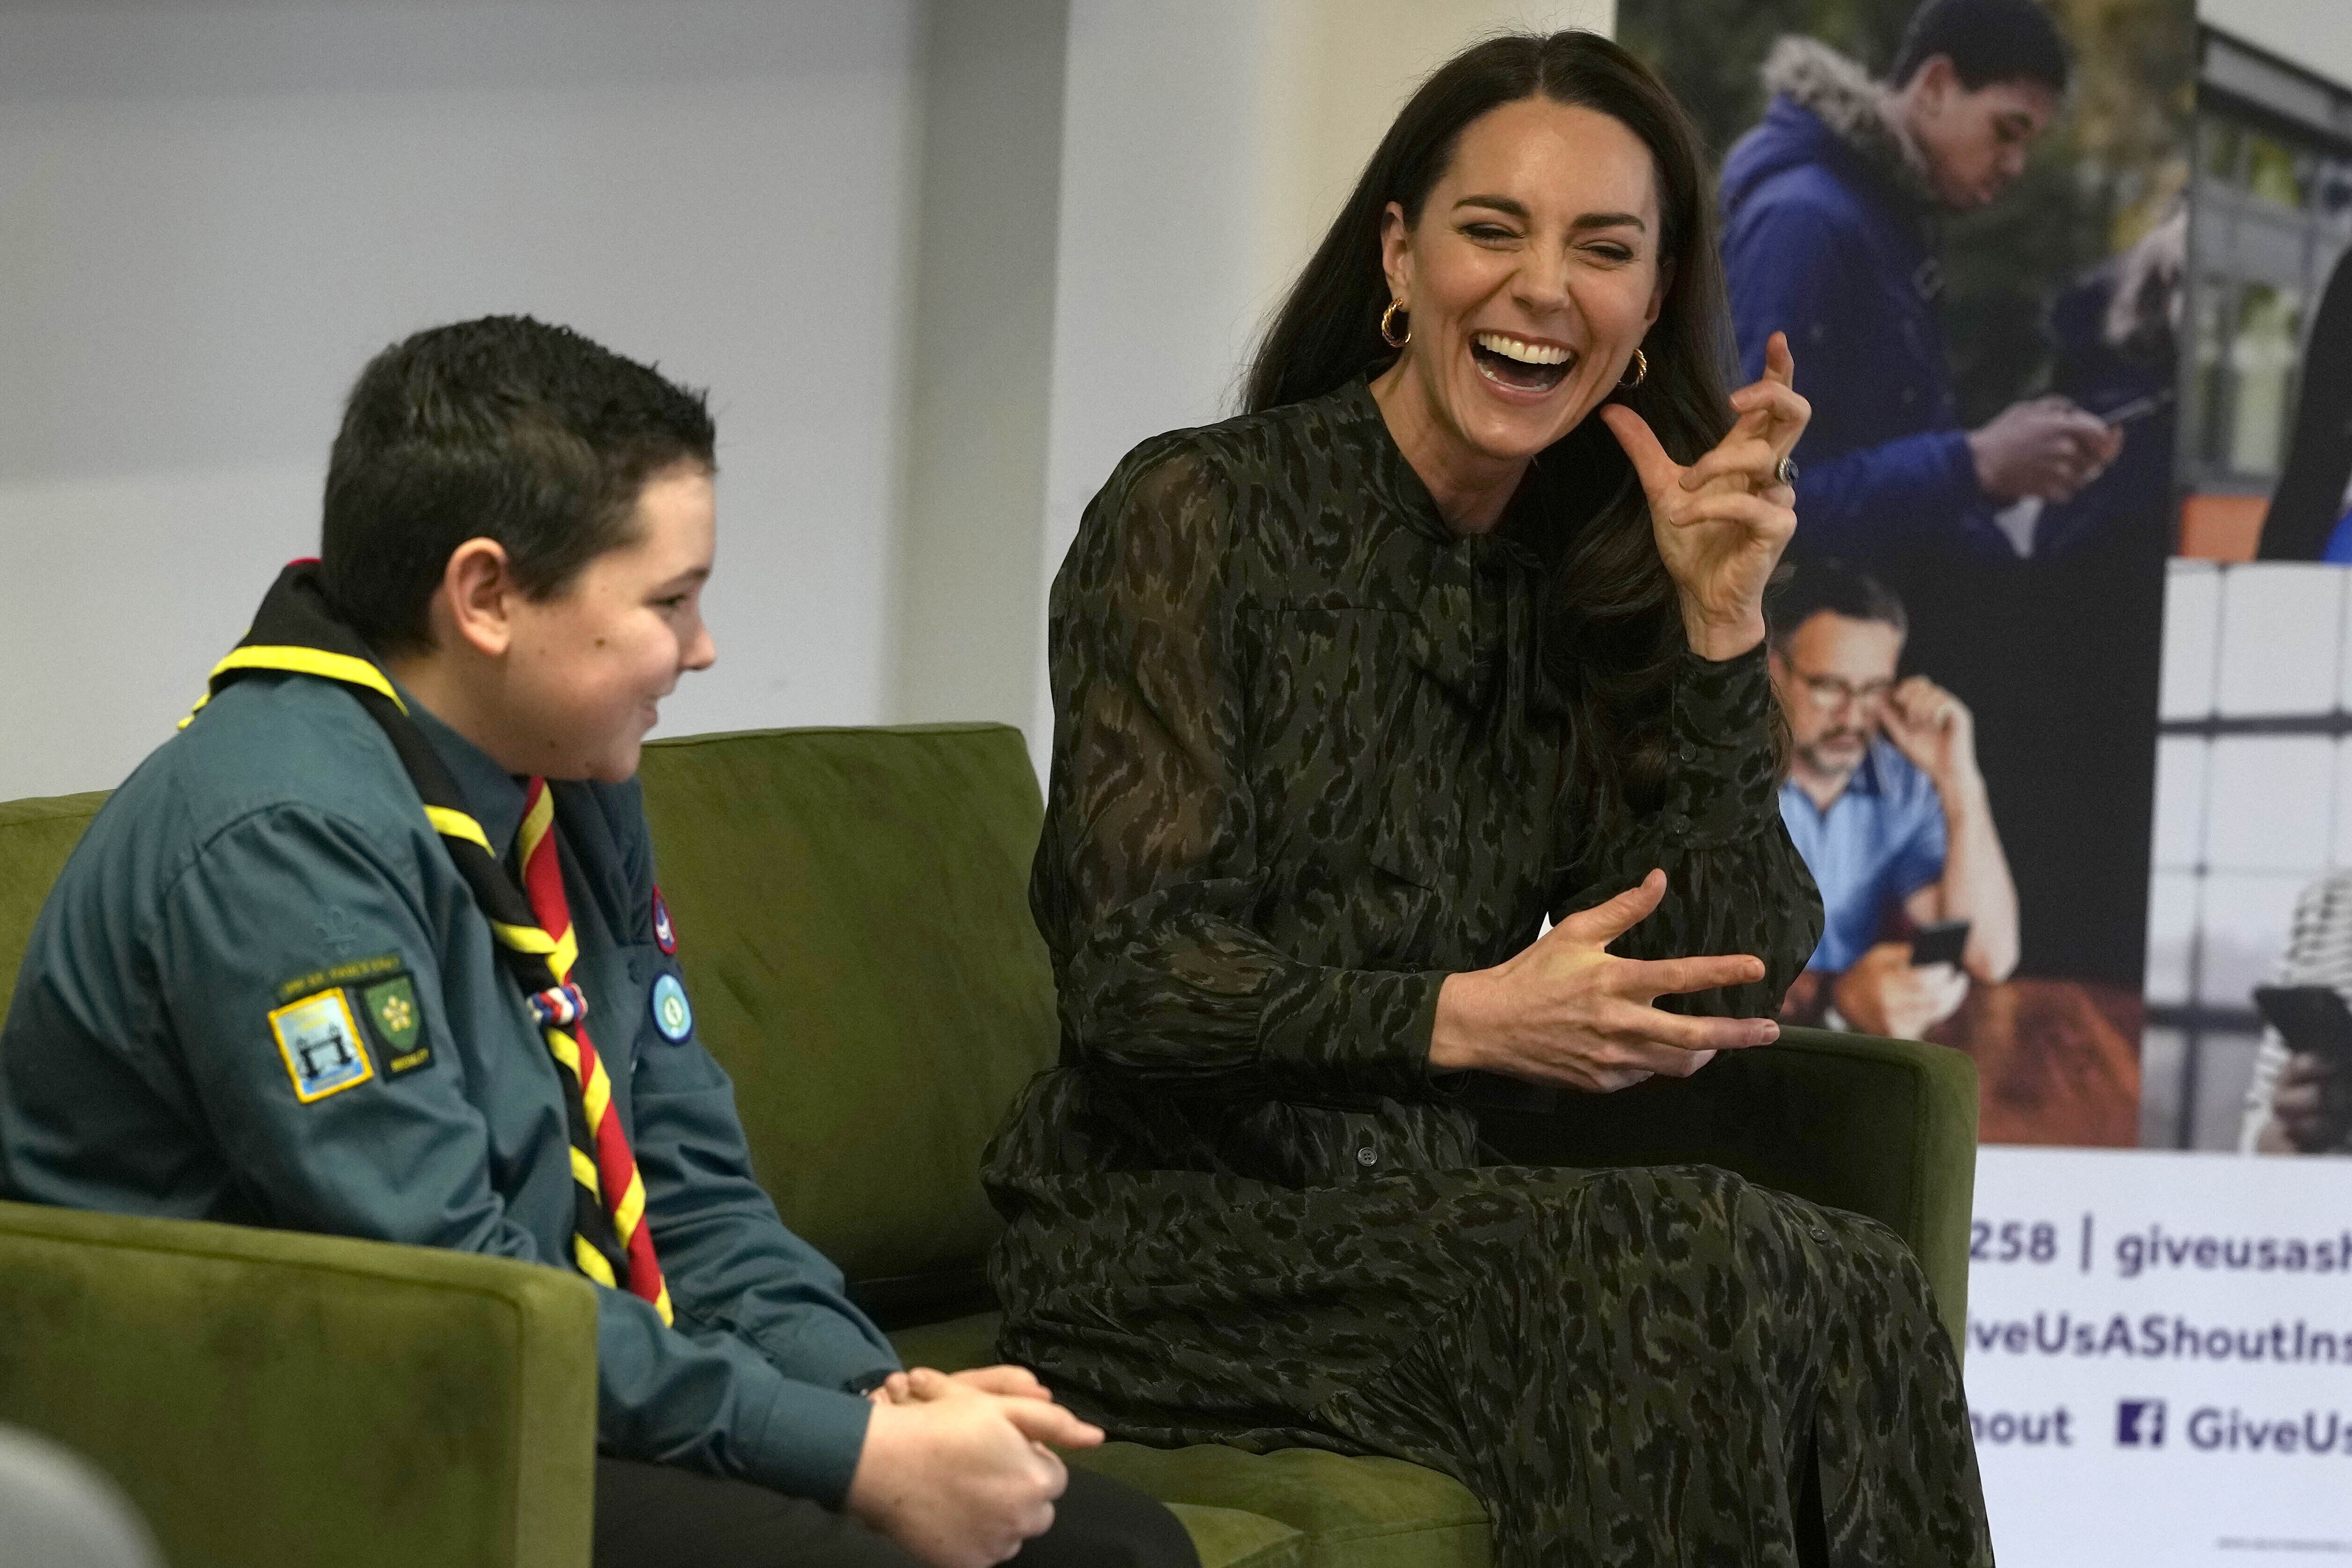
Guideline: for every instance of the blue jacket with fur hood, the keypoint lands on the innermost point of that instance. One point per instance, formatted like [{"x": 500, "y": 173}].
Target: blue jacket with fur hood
[{"x": 1828, "y": 232}]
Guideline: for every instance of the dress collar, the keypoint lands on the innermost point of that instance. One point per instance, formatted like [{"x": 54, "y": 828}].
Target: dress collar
[
  {"x": 1396, "y": 483},
  {"x": 1474, "y": 626}
]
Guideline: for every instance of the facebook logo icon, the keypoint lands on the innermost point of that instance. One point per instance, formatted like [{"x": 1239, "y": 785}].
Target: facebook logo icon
[{"x": 2139, "y": 1424}]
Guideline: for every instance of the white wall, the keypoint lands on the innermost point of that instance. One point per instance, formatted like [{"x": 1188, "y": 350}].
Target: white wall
[
  {"x": 970, "y": 606},
  {"x": 941, "y": 261},
  {"x": 1205, "y": 147},
  {"x": 2314, "y": 33},
  {"x": 211, "y": 214}
]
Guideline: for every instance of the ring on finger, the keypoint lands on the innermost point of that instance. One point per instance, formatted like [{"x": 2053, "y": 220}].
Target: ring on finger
[{"x": 1785, "y": 472}]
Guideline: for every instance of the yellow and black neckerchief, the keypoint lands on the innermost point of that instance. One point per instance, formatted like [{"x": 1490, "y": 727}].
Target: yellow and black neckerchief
[{"x": 295, "y": 632}]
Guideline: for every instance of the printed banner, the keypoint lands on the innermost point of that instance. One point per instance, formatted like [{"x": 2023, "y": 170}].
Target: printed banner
[
  {"x": 2159, "y": 1357},
  {"x": 1975, "y": 241},
  {"x": 2093, "y": 703}
]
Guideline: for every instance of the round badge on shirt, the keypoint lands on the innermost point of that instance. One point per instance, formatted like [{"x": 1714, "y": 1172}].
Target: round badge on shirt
[
  {"x": 665, "y": 933},
  {"x": 673, "y": 1013}
]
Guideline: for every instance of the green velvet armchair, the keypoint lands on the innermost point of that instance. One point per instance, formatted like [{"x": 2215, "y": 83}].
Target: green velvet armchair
[{"x": 851, "y": 906}]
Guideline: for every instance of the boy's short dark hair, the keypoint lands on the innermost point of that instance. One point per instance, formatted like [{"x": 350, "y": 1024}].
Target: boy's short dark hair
[
  {"x": 1832, "y": 587},
  {"x": 1986, "y": 41},
  {"x": 501, "y": 428}
]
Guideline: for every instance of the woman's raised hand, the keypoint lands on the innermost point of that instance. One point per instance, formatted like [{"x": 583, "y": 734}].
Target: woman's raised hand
[
  {"x": 1567, "y": 1012},
  {"x": 1722, "y": 522}
]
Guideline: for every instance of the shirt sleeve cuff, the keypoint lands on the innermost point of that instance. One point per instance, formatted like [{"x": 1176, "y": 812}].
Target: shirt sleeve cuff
[
  {"x": 824, "y": 1349},
  {"x": 1959, "y": 465},
  {"x": 809, "y": 1445},
  {"x": 1726, "y": 760}
]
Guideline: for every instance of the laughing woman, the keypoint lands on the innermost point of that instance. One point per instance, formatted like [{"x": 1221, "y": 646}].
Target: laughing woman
[{"x": 1349, "y": 693}]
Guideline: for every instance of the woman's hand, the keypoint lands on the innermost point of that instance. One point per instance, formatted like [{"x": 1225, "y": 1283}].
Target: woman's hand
[
  {"x": 1722, "y": 522},
  {"x": 1565, "y": 1012}
]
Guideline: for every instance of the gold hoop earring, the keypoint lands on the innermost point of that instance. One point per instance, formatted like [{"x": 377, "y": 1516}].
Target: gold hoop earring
[
  {"x": 1641, "y": 372},
  {"x": 1387, "y": 319}
]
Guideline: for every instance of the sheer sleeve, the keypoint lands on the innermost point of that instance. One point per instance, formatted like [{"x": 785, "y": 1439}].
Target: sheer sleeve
[
  {"x": 1735, "y": 883},
  {"x": 1148, "y": 871}
]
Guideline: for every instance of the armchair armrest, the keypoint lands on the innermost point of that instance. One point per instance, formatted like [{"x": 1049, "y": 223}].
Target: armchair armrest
[
  {"x": 1882, "y": 1128},
  {"x": 269, "y": 1399}
]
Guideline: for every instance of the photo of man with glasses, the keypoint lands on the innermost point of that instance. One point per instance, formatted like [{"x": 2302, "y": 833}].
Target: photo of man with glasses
[{"x": 1885, "y": 803}]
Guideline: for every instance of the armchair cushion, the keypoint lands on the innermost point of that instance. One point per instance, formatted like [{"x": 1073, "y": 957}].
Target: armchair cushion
[{"x": 271, "y": 1399}]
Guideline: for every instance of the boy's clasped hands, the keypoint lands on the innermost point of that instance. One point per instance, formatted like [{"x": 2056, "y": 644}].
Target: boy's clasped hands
[{"x": 957, "y": 1467}]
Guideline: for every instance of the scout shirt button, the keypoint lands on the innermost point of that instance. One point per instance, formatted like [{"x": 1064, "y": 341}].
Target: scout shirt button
[{"x": 1368, "y": 1155}]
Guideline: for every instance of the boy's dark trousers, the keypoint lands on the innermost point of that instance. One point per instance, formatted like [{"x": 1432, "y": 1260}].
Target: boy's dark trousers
[{"x": 657, "y": 1516}]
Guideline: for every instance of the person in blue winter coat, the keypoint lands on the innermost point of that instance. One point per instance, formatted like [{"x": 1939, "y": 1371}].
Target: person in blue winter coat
[{"x": 1830, "y": 207}]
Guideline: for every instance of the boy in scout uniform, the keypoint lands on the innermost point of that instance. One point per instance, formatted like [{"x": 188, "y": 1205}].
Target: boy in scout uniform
[{"x": 373, "y": 948}]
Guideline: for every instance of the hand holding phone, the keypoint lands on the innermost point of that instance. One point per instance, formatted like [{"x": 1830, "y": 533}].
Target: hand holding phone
[
  {"x": 2310, "y": 1106},
  {"x": 1886, "y": 993},
  {"x": 2047, "y": 447}
]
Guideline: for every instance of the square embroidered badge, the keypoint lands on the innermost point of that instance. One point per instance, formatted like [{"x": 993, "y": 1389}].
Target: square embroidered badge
[
  {"x": 320, "y": 1042},
  {"x": 391, "y": 1009}
]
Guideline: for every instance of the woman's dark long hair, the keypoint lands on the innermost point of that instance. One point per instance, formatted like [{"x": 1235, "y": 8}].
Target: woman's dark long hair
[{"x": 1614, "y": 625}]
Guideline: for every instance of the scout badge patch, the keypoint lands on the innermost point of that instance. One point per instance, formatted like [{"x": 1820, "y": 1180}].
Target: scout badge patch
[
  {"x": 673, "y": 1013},
  {"x": 321, "y": 1045},
  {"x": 392, "y": 1012},
  {"x": 665, "y": 933}
]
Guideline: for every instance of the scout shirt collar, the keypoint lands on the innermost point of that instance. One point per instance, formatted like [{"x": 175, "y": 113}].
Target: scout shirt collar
[{"x": 492, "y": 796}]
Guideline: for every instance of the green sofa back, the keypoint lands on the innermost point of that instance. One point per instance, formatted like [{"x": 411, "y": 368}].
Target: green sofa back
[
  {"x": 36, "y": 836},
  {"x": 852, "y": 910}
]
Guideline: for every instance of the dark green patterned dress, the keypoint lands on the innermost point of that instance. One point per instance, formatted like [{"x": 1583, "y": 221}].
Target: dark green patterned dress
[{"x": 1304, "y": 767}]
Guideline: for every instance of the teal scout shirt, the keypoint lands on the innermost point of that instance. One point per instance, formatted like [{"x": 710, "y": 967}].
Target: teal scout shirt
[{"x": 274, "y": 852}]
